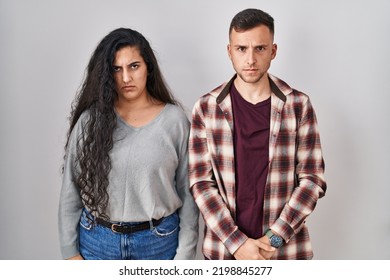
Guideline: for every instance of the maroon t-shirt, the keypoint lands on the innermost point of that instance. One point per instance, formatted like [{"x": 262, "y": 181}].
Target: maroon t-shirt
[{"x": 251, "y": 148}]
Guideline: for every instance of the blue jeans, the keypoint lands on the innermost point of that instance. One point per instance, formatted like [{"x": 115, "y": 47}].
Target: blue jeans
[{"x": 100, "y": 243}]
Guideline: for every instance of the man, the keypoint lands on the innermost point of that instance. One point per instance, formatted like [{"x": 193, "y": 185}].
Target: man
[{"x": 256, "y": 166}]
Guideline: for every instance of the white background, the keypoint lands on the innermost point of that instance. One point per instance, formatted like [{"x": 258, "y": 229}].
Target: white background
[{"x": 335, "y": 51}]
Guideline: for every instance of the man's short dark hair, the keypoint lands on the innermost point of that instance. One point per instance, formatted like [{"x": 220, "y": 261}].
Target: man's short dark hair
[{"x": 250, "y": 18}]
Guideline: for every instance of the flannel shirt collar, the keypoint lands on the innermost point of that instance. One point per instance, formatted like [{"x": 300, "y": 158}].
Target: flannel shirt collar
[{"x": 278, "y": 87}]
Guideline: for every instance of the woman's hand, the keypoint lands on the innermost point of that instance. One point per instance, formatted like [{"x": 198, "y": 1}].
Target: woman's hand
[{"x": 77, "y": 257}]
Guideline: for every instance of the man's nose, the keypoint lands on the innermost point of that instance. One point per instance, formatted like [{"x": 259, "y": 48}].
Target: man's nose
[{"x": 251, "y": 59}]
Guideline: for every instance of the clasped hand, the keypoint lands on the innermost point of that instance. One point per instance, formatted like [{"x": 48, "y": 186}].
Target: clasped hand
[{"x": 255, "y": 249}]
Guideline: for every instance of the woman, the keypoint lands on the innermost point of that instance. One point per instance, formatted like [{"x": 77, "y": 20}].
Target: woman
[{"x": 125, "y": 192}]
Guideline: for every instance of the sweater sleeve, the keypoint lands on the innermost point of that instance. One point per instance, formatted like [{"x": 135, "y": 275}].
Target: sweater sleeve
[
  {"x": 188, "y": 213},
  {"x": 70, "y": 204}
]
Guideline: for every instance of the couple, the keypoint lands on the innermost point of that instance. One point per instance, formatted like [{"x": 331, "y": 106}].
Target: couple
[{"x": 136, "y": 171}]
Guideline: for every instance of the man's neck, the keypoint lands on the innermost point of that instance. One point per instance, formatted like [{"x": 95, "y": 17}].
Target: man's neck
[{"x": 254, "y": 92}]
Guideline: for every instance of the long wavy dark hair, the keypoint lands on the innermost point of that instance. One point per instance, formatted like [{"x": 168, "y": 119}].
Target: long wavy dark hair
[{"x": 97, "y": 96}]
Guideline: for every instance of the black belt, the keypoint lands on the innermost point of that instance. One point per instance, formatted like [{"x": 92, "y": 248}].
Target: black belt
[{"x": 118, "y": 228}]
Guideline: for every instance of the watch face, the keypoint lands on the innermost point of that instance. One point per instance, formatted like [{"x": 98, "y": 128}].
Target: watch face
[{"x": 276, "y": 241}]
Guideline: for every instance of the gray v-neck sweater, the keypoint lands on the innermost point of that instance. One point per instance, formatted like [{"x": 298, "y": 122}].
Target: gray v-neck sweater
[{"x": 148, "y": 180}]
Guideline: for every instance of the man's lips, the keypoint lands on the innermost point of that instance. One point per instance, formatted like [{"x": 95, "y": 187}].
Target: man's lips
[{"x": 251, "y": 71}]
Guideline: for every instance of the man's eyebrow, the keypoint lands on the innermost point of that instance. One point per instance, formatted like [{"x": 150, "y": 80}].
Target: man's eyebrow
[
  {"x": 247, "y": 46},
  {"x": 240, "y": 45}
]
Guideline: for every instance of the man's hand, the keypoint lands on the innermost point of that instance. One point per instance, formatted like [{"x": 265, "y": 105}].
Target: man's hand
[
  {"x": 266, "y": 253},
  {"x": 255, "y": 249}
]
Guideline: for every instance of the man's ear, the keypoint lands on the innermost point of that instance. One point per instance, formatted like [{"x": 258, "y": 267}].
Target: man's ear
[{"x": 274, "y": 50}]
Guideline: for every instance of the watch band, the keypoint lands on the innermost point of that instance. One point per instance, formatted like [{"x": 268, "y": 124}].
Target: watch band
[{"x": 269, "y": 233}]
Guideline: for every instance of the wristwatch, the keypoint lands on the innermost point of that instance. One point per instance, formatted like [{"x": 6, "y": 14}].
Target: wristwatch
[{"x": 275, "y": 240}]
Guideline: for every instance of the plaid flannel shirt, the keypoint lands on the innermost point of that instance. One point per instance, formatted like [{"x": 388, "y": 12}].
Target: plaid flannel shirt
[{"x": 295, "y": 179}]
